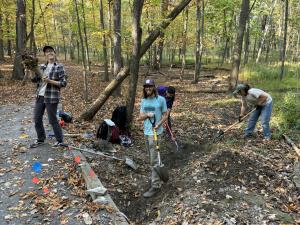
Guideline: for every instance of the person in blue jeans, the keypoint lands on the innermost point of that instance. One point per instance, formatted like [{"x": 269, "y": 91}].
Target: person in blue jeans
[
  {"x": 262, "y": 101},
  {"x": 152, "y": 111},
  {"x": 50, "y": 78}
]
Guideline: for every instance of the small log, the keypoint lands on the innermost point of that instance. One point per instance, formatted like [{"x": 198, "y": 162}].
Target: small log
[{"x": 292, "y": 144}]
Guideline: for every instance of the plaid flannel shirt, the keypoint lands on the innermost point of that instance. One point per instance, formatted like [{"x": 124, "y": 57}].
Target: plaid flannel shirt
[{"x": 57, "y": 73}]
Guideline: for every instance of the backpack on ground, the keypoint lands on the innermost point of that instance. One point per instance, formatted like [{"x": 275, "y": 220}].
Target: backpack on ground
[
  {"x": 108, "y": 131},
  {"x": 119, "y": 117}
]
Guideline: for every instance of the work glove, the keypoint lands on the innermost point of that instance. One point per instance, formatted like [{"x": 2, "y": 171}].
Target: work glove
[
  {"x": 258, "y": 107},
  {"x": 240, "y": 118}
]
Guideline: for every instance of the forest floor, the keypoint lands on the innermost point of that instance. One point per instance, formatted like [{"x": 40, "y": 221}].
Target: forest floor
[{"x": 233, "y": 181}]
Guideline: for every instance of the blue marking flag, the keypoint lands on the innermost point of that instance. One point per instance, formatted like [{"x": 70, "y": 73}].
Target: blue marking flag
[{"x": 37, "y": 167}]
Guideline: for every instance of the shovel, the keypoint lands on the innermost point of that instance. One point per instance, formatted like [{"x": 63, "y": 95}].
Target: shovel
[
  {"x": 129, "y": 162},
  {"x": 220, "y": 133},
  {"x": 172, "y": 136},
  {"x": 160, "y": 169}
]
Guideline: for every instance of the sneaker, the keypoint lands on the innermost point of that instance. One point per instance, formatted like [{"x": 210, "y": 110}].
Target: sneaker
[
  {"x": 59, "y": 144},
  {"x": 36, "y": 144},
  {"x": 151, "y": 192}
]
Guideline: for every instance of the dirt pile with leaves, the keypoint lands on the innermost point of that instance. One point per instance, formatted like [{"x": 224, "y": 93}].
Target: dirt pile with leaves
[{"x": 234, "y": 181}]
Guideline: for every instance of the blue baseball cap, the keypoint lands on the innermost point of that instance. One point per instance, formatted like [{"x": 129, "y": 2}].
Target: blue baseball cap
[{"x": 149, "y": 82}]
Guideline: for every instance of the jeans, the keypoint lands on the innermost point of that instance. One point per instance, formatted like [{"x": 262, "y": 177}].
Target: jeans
[
  {"x": 39, "y": 111},
  {"x": 265, "y": 115},
  {"x": 150, "y": 145}
]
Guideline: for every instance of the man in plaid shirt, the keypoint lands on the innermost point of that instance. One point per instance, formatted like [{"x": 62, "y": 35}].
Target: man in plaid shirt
[{"x": 50, "y": 78}]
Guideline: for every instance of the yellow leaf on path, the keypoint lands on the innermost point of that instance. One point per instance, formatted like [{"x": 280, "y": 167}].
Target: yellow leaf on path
[{"x": 22, "y": 136}]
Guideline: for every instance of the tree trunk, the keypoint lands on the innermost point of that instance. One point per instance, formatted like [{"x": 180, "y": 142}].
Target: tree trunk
[
  {"x": 184, "y": 37},
  {"x": 109, "y": 2},
  {"x": 1, "y": 38},
  {"x": 265, "y": 30},
  {"x": 99, "y": 102},
  {"x": 160, "y": 45},
  {"x": 44, "y": 23},
  {"x": 198, "y": 43},
  {"x": 85, "y": 38},
  {"x": 135, "y": 58},
  {"x": 286, "y": 17},
  {"x": 8, "y": 37},
  {"x": 238, "y": 45},
  {"x": 82, "y": 53},
  {"x": 31, "y": 43},
  {"x": 18, "y": 70},
  {"x": 118, "y": 63},
  {"x": 102, "y": 27},
  {"x": 247, "y": 43}
]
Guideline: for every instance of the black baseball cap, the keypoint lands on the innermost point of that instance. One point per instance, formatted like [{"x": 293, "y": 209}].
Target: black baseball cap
[{"x": 47, "y": 47}]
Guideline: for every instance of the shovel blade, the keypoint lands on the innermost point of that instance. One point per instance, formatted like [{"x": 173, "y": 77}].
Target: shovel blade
[
  {"x": 162, "y": 172},
  {"x": 129, "y": 162}
]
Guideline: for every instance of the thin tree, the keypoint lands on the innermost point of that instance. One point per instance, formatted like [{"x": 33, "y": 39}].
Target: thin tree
[
  {"x": 31, "y": 43},
  {"x": 109, "y": 2},
  {"x": 265, "y": 30},
  {"x": 286, "y": 17},
  {"x": 1, "y": 38},
  {"x": 118, "y": 62},
  {"x": 160, "y": 45},
  {"x": 44, "y": 23},
  {"x": 135, "y": 59},
  {"x": 198, "y": 42},
  {"x": 104, "y": 47},
  {"x": 82, "y": 53},
  {"x": 8, "y": 37},
  {"x": 18, "y": 69},
  {"x": 85, "y": 37},
  {"x": 184, "y": 40},
  {"x": 238, "y": 44},
  {"x": 102, "y": 98}
]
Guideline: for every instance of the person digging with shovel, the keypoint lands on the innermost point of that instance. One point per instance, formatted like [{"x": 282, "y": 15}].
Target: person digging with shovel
[
  {"x": 153, "y": 112},
  {"x": 263, "y": 103}
]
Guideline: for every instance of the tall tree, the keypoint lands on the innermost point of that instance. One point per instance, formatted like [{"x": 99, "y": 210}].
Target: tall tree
[
  {"x": 104, "y": 47},
  {"x": 238, "y": 44},
  {"x": 118, "y": 63},
  {"x": 18, "y": 70},
  {"x": 286, "y": 17},
  {"x": 102, "y": 98},
  {"x": 85, "y": 37},
  {"x": 266, "y": 30},
  {"x": 160, "y": 45},
  {"x": 44, "y": 23},
  {"x": 184, "y": 40},
  {"x": 8, "y": 36},
  {"x": 82, "y": 53},
  {"x": 1, "y": 38},
  {"x": 31, "y": 43},
  {"x": 135, "y": 59},
  {"x": 199, "y": 39}
]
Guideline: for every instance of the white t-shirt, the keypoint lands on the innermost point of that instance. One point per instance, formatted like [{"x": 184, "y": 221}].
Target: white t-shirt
[
  {"x": 253, "y": 95},
  {"x": 46, "y": 74}
]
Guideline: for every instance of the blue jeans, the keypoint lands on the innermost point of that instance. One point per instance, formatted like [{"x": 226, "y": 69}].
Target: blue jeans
[{"x": 265, "y": 115}]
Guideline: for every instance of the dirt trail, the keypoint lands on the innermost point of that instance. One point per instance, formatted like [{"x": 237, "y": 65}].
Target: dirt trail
[{"x": 231, "y": 182}]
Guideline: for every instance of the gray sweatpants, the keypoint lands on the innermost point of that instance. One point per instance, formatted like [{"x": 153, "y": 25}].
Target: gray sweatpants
[
  {"x": 151, "y": 145},
  {"x": 39, "y": 111}
]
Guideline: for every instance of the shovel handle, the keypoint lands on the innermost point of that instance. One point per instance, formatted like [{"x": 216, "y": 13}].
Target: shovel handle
[{"x": 228, "y": 128}]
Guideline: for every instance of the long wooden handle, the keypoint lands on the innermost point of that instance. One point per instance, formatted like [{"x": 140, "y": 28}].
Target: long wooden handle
[{"x": 228, "y": 128}]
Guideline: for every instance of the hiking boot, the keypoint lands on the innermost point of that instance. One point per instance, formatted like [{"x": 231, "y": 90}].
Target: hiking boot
[
  {"x": 36, "y": 144},
  {"x": 59, "y": 144},
  {"x": 151, "y": 192},
  {"x": 266, "y": 140}
]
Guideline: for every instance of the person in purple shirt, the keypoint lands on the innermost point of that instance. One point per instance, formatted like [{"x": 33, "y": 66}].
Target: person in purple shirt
[{"x": 169, "y": 94}]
